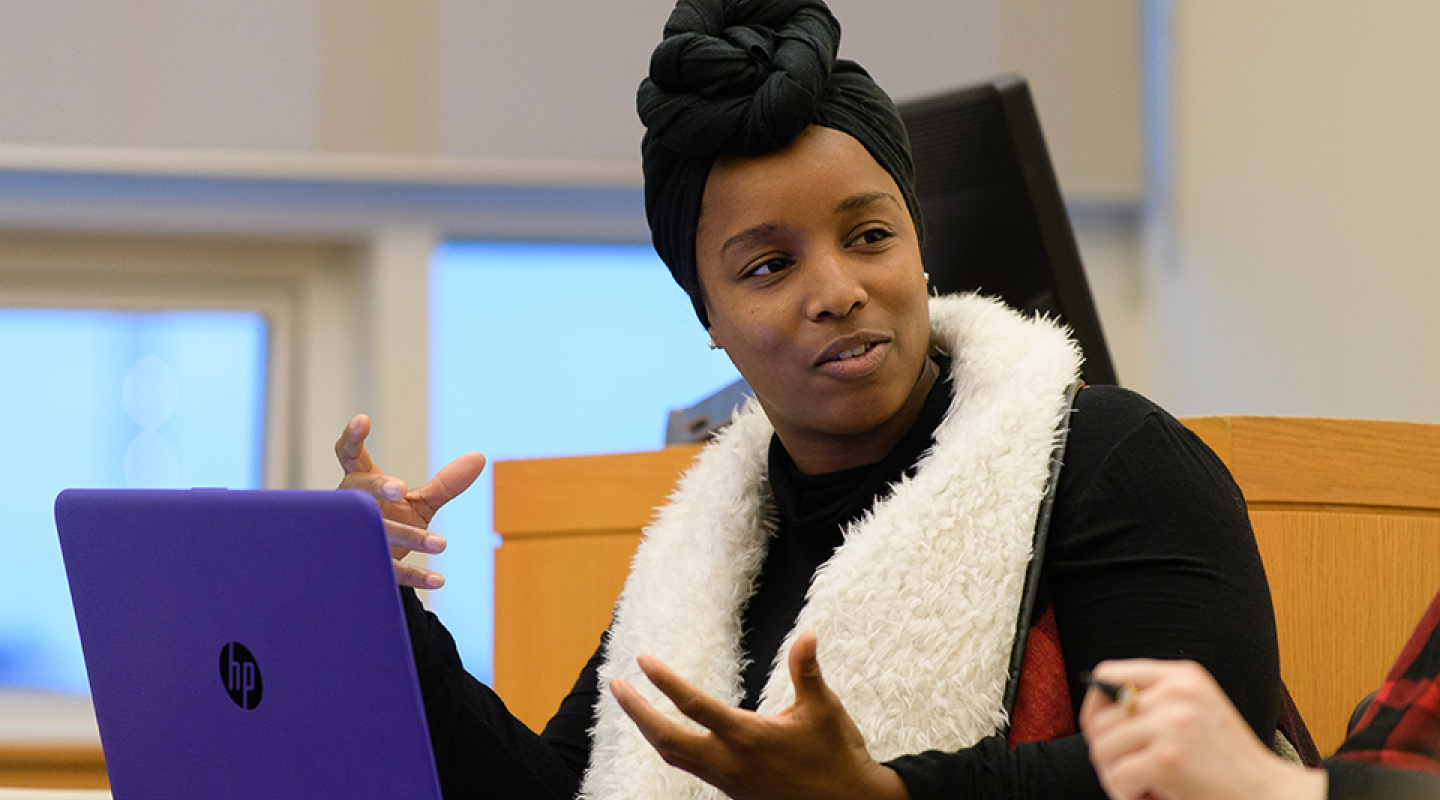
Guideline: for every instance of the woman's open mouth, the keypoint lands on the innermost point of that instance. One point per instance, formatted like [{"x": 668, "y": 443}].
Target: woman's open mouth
[
  {"x": 855, "y": 362},
  {"x": 855, "y": 353}
]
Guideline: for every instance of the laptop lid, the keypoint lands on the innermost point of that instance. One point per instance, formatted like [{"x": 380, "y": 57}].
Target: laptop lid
[{"x": 244, "y": 644}]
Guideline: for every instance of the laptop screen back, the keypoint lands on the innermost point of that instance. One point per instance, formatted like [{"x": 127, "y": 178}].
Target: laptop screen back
[{"x": 245, "y": 644}]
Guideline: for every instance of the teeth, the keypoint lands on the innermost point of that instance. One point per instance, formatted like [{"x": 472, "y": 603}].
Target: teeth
[{"x": 859, "y": 351}]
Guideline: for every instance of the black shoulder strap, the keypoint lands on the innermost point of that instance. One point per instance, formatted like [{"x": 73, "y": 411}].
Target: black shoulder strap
[{"x": 1032, "y": 572}]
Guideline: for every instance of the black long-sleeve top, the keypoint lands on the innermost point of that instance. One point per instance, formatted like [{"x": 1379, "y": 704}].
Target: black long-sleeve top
[{"x": 1149, "y": 554}]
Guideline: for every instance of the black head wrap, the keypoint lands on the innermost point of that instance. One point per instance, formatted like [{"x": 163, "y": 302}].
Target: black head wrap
[{"x": 746, "y": 77}]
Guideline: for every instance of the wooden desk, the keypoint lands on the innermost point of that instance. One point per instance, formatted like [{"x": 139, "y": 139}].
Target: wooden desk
[
  {"x": 50, "y": 793},
  {"x": 49, "y": 740},
  {"x": 53, "y": 766},
  {"x": 1346, "y": 512}
]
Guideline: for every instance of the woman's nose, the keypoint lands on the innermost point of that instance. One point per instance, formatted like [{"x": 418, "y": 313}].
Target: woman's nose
[{"x": 834, "y": 288}]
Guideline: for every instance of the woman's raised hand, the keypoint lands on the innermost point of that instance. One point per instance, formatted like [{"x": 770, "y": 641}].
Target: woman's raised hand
[
  {"x": 810, "y": 750},
  {"x": 407, "y": 511}
]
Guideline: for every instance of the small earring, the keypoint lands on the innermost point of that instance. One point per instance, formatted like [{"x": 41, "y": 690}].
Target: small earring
[
  {"x": 714, "y": 346},
  {"x": 927, "y": 277}
]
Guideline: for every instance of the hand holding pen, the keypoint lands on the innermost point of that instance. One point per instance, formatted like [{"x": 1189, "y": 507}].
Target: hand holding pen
[
  {"x": 1164, "y": 730},
  {"x": 1122, "y": 694}
]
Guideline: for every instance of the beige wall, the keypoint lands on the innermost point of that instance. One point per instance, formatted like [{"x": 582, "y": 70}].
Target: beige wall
[
  {"x": 1296, "y": 255},
  {"x": 381, "y": 126},
  {"x": 162, "y": 73},
  {"x": 1284, "y": 268},
  {"x": 552, "y": 79},
  {"x": 484, "y": 78}
]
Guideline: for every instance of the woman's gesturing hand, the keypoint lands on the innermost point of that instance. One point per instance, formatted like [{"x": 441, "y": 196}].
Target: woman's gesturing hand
[
  {"x": 407, "y": 512},
  {"x": 810, "y": 750}
]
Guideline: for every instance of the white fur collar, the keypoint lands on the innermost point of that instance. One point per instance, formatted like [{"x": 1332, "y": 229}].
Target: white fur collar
[{"x": 915, "y": 613}]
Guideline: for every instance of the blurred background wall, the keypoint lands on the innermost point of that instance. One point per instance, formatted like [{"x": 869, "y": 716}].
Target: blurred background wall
[{"x": 1254, "y": 185}]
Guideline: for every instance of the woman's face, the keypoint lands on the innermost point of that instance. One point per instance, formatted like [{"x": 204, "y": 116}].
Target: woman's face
[{"x": 810, "y": 270}]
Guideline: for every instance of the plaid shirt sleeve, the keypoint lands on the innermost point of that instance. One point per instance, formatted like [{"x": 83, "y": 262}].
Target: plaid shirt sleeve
[{"x": 1394, "y": 749}]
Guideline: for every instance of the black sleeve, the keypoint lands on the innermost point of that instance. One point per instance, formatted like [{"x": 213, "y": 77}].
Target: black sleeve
[
  {"x": 481, "y": 749},
  {"x": 568, "y": 732},
  {"x": 1150, "y": 554},
  {"x": 1359, "y": 780}
]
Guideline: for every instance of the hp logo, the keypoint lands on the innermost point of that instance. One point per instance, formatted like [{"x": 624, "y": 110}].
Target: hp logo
[{"x": 241, "y": 675}]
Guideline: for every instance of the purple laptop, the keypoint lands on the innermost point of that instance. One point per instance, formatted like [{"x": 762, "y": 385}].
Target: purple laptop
[{"x": 245, "y": 644}]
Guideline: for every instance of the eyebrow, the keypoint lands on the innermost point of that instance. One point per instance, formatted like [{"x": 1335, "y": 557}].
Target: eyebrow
[
  {"x": 864, "y": 200},
  {"x": 851, "y": 203},
  {"x": 750, "y": 234}
]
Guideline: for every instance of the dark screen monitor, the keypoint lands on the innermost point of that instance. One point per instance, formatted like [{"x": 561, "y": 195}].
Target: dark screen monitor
[{"x": 994, "y": 218}]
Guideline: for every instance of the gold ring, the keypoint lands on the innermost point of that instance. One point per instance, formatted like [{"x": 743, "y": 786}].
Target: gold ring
[{"x": 1129, "y": 693}]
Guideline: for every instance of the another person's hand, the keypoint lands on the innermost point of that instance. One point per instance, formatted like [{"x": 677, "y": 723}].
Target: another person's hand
[
  {"x": 1180, "y": 738},
  {"x": 407, "y": 512},
  {"x": 810, "y": 750}
]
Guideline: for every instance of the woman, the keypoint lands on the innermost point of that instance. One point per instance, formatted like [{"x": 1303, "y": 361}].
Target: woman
[
  {"x": 874, "y": 510},
  {"x": 1179, "y": 738}
]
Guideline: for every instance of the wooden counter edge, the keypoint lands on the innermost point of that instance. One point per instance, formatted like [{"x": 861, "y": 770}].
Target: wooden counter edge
[{"x": 52, "y": 765}]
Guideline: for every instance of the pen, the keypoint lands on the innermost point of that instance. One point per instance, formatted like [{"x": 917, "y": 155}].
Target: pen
[{"x": 1122, "y": 693}]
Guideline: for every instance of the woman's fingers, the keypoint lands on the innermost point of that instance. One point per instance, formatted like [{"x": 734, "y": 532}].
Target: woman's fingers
[
  {"x": 406, "y": 539},
  {"x": 804, "y": 663},
  {"x": 407, "y": 513},
  {"x": 360, "y": 471},
  {"x": 811, "y": 750},
  {"x": 382, "y": 487},
  {"x": 693, "y": 703},
  {"x": 413, "y": 539},
  {"x": 448, "y": 483},
  {"x": 416, "y": 576},
  {"x": 660, "y": 731},
  {"x": 350, "y": 447}
]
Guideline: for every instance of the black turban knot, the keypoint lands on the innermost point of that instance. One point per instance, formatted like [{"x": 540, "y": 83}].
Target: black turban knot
[{"x": 745, "y": 77}]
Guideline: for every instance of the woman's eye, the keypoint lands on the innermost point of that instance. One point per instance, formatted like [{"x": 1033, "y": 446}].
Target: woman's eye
[
  {"x": 769, "y": 267},
  {"x": 873, "y": 236}
]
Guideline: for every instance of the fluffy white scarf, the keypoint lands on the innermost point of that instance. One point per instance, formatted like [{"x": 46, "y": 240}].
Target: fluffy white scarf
[{"x": 915, "y": 613}]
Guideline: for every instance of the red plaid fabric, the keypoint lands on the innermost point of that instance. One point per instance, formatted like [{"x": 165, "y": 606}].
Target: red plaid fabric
[{"x": 1400, "y": 728}]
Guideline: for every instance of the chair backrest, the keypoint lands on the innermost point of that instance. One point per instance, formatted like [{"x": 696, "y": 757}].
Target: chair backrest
[{"x": 1347, "y": 516}]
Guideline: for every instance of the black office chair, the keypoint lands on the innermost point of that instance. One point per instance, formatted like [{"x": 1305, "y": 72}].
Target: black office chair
[{"x": 995, "y": 220}]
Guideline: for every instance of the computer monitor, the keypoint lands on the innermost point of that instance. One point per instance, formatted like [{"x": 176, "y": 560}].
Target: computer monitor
[{"x": 995, "y": 221}]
